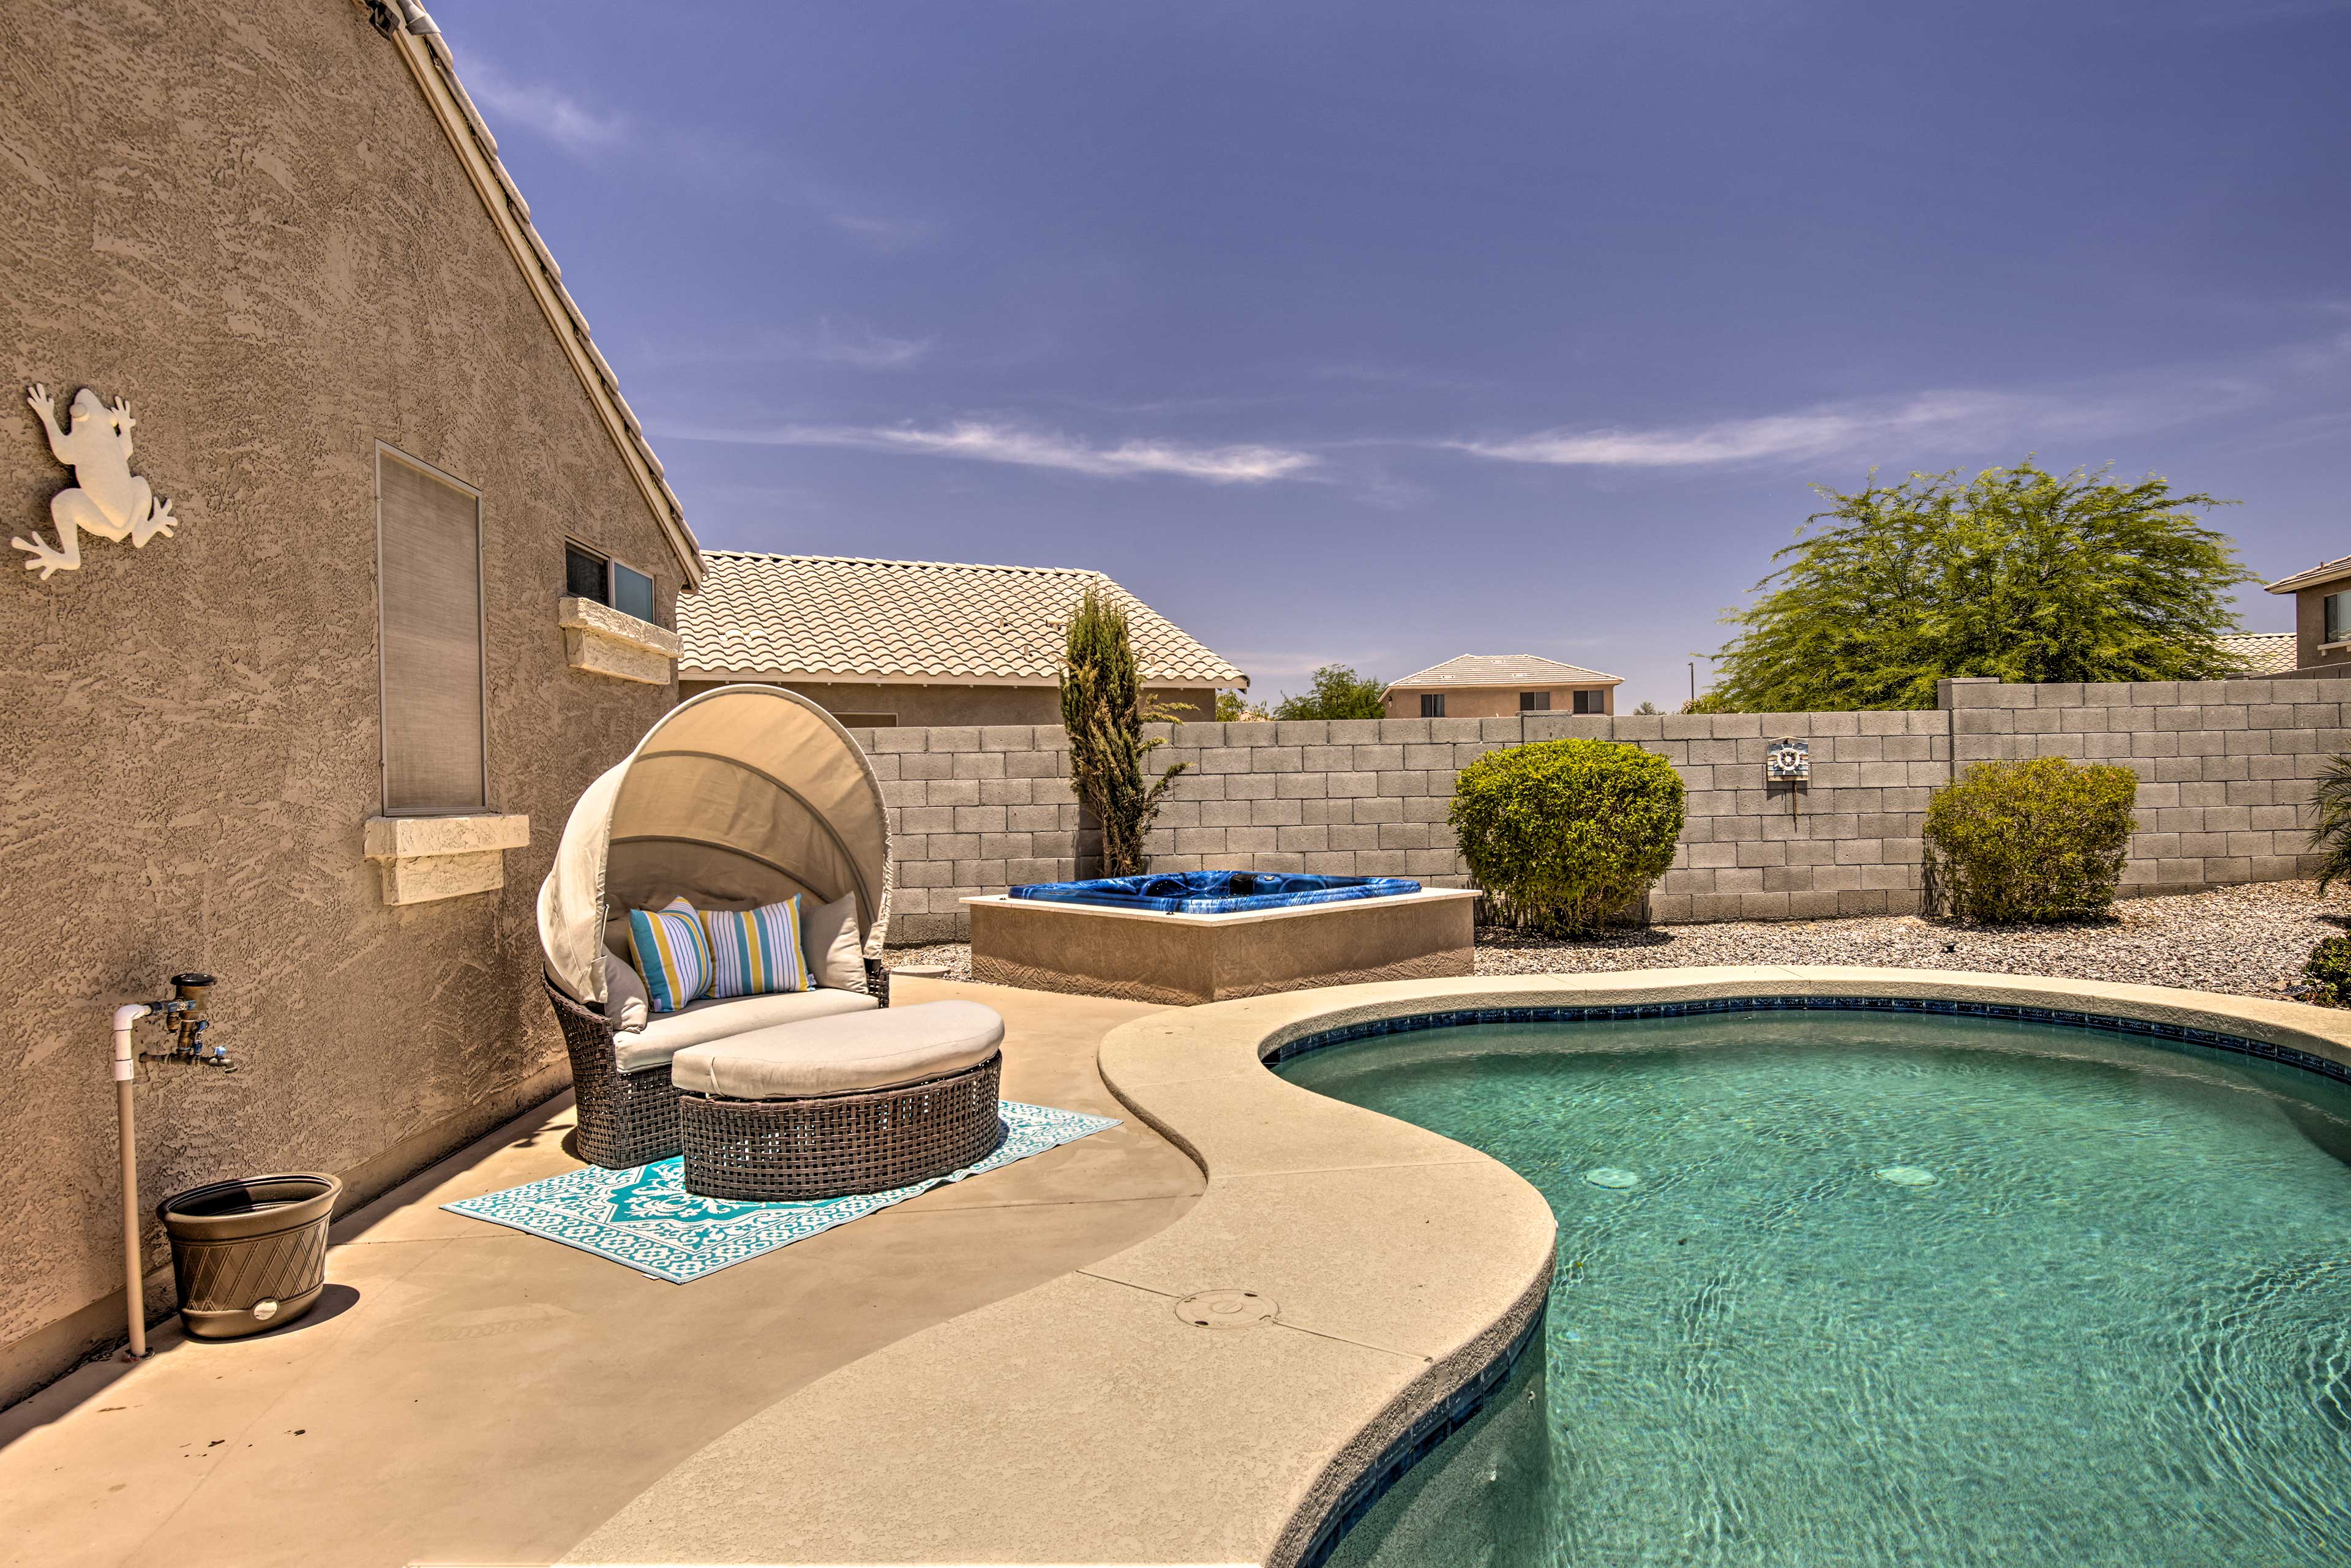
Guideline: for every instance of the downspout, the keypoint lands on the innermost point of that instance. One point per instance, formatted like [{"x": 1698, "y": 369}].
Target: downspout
[{"x": 134, "y": 1277}]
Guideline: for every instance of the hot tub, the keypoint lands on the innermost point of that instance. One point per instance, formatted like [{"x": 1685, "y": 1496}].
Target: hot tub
[
  {"x": 1215, "y": 891},
  {"x": 1209, "y": 936}
]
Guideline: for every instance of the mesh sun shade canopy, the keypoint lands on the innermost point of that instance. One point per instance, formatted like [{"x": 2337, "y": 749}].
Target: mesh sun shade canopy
[{"x": 739, "y": 797}]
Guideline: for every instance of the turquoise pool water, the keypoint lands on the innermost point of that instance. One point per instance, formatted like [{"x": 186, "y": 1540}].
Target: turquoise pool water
[{"x": 1916, "y": 1290}]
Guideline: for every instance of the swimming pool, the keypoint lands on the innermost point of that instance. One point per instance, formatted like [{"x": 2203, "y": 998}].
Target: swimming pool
[
  {"x": 1899, "y": 1289},
  {"x": 1215, "y": 891}
]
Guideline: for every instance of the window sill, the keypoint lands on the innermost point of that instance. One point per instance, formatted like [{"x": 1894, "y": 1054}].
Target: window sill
[
  {"x": 603, "y": 640},
  {"x": 425, "y": 859}
]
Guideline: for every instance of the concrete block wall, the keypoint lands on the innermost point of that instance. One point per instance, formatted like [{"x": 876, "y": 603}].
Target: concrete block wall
[{"x": 2225, "y": 766}]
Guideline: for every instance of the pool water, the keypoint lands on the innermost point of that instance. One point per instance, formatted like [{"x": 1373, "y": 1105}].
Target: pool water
[
  {"x": 1215, "y": 891},
  {"x": 1849, "y": 1289}
]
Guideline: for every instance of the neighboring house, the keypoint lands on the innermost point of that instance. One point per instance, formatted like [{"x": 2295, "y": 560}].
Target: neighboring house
[
  {"x": 2260, "y": 653},
  {"x": 887, "y": 643},
  {"x": 2322, "y": 613},
  {"x": 1496, "y": 685},
  {"x": 317, "y": 736}
]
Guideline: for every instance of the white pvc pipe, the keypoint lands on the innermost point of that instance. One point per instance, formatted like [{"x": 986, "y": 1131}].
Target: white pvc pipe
[{"x": 134, "y": 1278}]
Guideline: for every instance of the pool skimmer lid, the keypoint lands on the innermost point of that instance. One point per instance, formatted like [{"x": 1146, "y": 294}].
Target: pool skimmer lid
[
  {"x": 1908, "y": 1176},
  {"x": 1611, "y": 1177},
  {"x": 1226, "y": 1310}
]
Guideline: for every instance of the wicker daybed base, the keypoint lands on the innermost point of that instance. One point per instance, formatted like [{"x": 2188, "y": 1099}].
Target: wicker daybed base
[
  {"x": 833, "y": 1145},
  {"x": 625, "y": 1118}
]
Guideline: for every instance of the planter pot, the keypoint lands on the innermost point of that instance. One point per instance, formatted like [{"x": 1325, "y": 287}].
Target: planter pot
[{"x": 250, "y": 1254}]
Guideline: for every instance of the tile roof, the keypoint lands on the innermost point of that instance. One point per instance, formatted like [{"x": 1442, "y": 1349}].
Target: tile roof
[
  {"x": 2324, "y": 571},
  {"x": 1504, "y": 670},
  {"x": 2262, "y": 652},
  {"x": 813, "y": 616}
]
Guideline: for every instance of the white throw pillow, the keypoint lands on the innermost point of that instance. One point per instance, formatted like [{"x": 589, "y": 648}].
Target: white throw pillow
[
  {"x": 829, "y": 939},
  {"x": 626, "y": 1001}
]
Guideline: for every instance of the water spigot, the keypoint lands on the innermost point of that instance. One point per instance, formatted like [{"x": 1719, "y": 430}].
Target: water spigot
[{"x": 182, "y": 1017}]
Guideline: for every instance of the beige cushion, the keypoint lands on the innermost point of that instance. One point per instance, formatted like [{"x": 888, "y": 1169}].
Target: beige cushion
[
  {"x": 843, "y": 1054},
  {"x": 829, "y": 942},
  {"x": 625, "y": 1000},
  {"x": 717, "y": 1017}
]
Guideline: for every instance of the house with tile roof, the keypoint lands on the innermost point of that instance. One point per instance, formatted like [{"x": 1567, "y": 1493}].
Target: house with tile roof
[
  {"x": 1495, "y": 686},
  {"x": 317, "y": 733},
  {"x": 2322, "y": 614},
  {"x": 882, "y": 644}
]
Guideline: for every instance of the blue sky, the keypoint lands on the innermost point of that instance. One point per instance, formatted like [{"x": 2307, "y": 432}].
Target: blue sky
[{"x": 1379, "y": 333}]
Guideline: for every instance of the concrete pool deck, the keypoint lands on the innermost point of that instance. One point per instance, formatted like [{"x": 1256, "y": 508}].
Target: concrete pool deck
[
  {"x": 987, "y": 1380},
  {"x": 470, "y": 1394}
]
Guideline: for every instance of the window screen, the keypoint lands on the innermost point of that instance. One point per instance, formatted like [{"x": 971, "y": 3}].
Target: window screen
[
  {"x": 632, "y": 591},
  {"x": 1432, "y": 704},
  {"x": 1591, "y": 702},
  {"x": 1534, "y": 702},
  {"x": 583, "y": 574},
  {"x": 429, "y": 604}
]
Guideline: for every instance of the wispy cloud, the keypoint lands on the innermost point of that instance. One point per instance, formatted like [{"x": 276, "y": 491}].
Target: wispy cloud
[
  {"x": 985, "y": 441},
  {"x": 545, "y": 110},
  {"x": 1955, "y": 422},
  {"x": 833, "y": 343},
  {"x": 886, "y": 235}
]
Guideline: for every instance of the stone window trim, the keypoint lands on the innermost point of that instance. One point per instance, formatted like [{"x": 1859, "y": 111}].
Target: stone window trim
[
  {"x": 425, "y": 859},
  {"x": 602, "y": 640}
]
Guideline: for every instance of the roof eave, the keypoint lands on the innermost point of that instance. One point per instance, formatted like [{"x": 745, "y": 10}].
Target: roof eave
[{"x": 429, "y": 62}]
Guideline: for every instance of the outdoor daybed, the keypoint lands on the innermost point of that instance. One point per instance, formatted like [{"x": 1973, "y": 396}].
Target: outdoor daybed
[{"x": 738, "y": 797}]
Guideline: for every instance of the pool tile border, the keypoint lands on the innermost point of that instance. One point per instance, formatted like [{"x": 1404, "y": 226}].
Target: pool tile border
[{"x": 1455, "y": 1018}]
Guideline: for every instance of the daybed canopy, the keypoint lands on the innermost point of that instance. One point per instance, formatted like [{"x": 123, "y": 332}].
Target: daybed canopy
[{"x": 739, "y": 797}]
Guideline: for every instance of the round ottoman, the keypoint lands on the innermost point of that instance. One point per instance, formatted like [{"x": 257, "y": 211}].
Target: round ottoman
[{"x": 860, "y": 1102}]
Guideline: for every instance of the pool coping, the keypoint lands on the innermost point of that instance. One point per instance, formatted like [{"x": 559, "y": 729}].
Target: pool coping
[{"x": 1085, "y": 1422}]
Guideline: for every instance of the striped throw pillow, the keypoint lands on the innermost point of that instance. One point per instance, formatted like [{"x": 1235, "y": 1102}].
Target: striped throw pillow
[
  {"x": 756, "y": 951},
  {"x": 672, "y": 954}
]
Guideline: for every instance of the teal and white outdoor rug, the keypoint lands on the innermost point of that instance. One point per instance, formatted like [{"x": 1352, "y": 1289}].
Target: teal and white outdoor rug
[{"x": 644, "y": 1219}]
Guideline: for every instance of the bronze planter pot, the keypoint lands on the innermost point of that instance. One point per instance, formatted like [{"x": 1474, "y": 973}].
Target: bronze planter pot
[{"x": 250, "y": 1253}]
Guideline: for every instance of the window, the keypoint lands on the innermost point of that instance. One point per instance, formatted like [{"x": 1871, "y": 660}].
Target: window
[
  {"x": 1432, "y": 704},
  {"x": 1534, "y": 702},
  {"x": 2339, "y": 617},
  {"x": 1592, "y": 702},
  {"x": 588, "y": 575},
  {"x": 429, "y": 638}
]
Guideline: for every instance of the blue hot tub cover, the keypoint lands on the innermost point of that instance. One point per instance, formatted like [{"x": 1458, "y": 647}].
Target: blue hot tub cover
[{"x": 1215, "y": 891}]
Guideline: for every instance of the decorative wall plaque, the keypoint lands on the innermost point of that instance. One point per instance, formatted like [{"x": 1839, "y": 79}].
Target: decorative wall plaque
[
  {"x": 106, "y": 498},
  {"x": 1788, "y": 762}
]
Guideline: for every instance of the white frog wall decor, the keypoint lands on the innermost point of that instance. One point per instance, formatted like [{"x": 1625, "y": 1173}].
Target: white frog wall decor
[{"x": 106, "y": 498}]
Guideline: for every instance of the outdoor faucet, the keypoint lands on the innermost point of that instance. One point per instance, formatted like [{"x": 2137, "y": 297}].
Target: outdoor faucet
[
  {"x": 181, "y": 1014},
  {"x": 182, "y": 1017}
]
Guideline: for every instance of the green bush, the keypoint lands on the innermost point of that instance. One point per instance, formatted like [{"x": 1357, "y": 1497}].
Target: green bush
[
  {"x": 2331, "y": 837},
  {"x": 2328, "y": 973},
  {"x": 2034, "y": 841},
  {"x": 1566, "y": 835}
]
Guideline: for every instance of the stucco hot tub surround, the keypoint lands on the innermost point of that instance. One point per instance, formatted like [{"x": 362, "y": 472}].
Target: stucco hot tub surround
[
  {"x": 1391, "y": 1274},
  {"x": 1181, "y": 957}
]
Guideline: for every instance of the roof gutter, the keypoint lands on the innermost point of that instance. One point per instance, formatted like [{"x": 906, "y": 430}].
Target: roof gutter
[{"x": 418, "y": 40}]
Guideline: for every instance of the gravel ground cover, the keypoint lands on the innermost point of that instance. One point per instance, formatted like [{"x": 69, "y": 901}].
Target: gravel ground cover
[{"x": 2250, "y": 941}]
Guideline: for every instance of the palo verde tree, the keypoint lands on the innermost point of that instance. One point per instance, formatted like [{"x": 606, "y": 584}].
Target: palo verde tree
[
  {"x": 1103, "y": 708},
  {"x": 2017, "y": 573},
  {"x": 1337, "y": 693}
]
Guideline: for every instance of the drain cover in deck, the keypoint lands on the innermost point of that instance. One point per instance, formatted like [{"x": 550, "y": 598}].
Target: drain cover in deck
[{"x": 1226, "y": 1310}]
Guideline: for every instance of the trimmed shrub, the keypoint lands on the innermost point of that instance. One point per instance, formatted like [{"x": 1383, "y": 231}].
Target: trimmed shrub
[
  {"x": 2038, "y": 840},
  {"x": 1566, "y": 835},
  {"x": 2327, "y": 974}
]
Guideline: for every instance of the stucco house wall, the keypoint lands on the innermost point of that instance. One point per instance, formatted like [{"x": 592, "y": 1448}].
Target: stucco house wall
[
  {"x": 1494, "y": 702},
  {"x": 254, "y": 229},
  {"x": 954, "y": 704},
  {"x": 2311, "y": 648}
]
